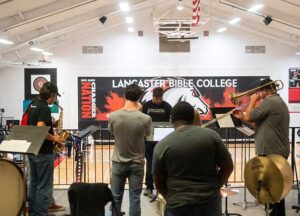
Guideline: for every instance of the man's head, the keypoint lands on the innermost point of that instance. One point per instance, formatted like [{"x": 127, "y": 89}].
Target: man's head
[
  {"x": 267, "y": 87},
  {"x": 133, "y": 92},
  {"x": 182, "y": 113},
  {"x": 157, "y": 96},
  {"x": 49, "y": 92}
]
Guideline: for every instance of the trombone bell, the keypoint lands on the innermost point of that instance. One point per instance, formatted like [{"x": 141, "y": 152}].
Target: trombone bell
[{"x": 275, "y": 85}]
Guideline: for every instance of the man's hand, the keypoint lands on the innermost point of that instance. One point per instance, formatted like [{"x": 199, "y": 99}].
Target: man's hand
[
  {"x": 255, "y": 97},
  {"x": 140, "y": 107},
  {"x": 238, "y": 114},
  {"x": 58, "y": 140}
]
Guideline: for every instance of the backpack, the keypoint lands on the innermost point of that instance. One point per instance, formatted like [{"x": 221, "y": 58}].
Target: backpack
[{"x": 24, "y": 120}]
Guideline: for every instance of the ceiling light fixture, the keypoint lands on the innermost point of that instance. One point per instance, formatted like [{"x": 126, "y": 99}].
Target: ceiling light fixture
[
  {"x": 297, "y": 53},
  {"x": 47, "y": 53},
  {"x": 124, "y": 6},
  {"x": 129, "y": 20},
  {"x": 221, "y": 29},
  {"x": 36, "y": 49},
  {"x": 234, "y": 20},
  {"x": 4, "y": 41},
  {"x": 179, "y": 5},
  {"x": 130, "y": 29},
  {"x": 255, "y": 8}
]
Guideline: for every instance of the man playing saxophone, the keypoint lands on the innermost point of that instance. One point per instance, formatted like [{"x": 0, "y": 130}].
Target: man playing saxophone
[{"x": 41, "y": 165}]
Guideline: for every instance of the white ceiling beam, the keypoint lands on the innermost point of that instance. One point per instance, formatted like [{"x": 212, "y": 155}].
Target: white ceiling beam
[
  {"x": 78, "y": 23},
  {"x": 281, "y": 21},
  {"x": 253, "y": 21},
  {"x": 42, "y": 12}
]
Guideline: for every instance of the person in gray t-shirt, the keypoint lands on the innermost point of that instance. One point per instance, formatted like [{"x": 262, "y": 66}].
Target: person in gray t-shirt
[
  {"x": 130, "y": 127},
  {"x": 271, "y": 119},
  {"x": 190, "y": 165}
]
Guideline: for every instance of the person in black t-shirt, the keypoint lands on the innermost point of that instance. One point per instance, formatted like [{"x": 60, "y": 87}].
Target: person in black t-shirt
[
  {"x": 159, "y": 111},
  {"x": 42, "y": 165}
]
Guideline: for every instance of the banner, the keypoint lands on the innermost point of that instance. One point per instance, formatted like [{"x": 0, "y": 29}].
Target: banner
[{"x": 99, "y": 96}]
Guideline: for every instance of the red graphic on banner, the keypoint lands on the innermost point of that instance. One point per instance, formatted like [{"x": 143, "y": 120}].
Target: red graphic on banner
[
  {"x": 227, "y": 102},
  {"x": 113, "y": 103}
]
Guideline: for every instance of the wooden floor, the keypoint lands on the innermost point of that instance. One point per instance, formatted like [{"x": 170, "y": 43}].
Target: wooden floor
[{"x": 97, "y": 162}]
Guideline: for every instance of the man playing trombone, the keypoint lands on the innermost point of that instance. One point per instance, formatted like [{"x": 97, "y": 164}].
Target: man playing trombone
[{"x": 271, "y": 120}]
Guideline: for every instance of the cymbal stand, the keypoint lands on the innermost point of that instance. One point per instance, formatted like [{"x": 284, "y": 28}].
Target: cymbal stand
[
  {"x": 267, "y": 209},
  {"x": 226, "y": 207},
  {"x": 244, "y": 203}
]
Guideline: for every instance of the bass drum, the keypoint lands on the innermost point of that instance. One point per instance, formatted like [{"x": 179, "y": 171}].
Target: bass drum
[{"x": 12, "y": 189}]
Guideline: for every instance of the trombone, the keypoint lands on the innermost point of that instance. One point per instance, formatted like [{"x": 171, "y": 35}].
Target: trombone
[{"x": 275, "y": 85}]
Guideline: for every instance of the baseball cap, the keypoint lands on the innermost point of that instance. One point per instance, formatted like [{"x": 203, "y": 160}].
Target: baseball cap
[
  {"x": 265, "y": 82},
  {"x": 51, "y": 87}
]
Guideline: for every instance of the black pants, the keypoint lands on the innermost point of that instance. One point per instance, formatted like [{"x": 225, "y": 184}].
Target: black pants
[
  {"x": 149, "y": 147},
  {"x": 278, "y": 208}
]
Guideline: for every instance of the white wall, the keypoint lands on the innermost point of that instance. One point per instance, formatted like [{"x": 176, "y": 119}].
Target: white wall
[{"x": 126, "y": 54}]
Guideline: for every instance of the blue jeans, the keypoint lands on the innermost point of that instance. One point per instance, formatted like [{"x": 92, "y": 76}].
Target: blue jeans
[
  {"x": 41, "y": 180},
  {"x": 149, "y": 148},
  {"x": 135, "y": 173},
  {"x": 211, "y": 209}
]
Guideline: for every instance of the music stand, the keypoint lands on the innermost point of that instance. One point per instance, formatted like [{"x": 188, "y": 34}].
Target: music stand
[
  {"x": 79, "y": 153},
  {"x": 231, "y": 121},
  {"x": 24, "y": 140},
  {"x": 224, "y": 121}
]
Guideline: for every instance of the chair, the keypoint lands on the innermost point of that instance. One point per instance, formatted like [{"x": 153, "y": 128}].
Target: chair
[{"x": 90, "y": 199}]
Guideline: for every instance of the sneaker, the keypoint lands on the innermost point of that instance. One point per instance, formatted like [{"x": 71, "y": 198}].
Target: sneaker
[
  {"x": 148, "y": 192},
  {"x": 54, "y": 208}
]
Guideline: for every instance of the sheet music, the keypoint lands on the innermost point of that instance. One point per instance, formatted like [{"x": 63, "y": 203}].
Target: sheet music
[
  {"x": 225, "y": 122},
  {"x": 15, "y": 146},
  {"x": 246, "y": 130}
]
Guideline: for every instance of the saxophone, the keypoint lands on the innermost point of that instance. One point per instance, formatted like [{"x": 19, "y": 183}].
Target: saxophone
[{"x": 62, "y": 133}]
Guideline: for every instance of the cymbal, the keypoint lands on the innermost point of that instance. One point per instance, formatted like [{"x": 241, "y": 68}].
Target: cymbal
[{"x": 268, "y": 179}]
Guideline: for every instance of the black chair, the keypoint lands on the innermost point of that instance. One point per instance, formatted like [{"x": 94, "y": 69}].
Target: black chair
[{"x": 90, "y": 199}]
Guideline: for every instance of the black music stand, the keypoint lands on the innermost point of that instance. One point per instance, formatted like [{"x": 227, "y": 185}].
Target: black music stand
[
  {"x": 226, "y": 122},
  {"x": 24, "y": 140},
  {"x": 32, "y": 137},
  {"x": 80, "y": 157}
]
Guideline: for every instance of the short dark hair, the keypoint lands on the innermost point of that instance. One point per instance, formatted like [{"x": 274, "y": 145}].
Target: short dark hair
[
  {"x": 183, "y": 111},
  {"x": 267, "y": 87},
  {"x": 158, "y": 92},
  {"x": 133, "y": 92},
  {"x": 47, "y": 89}
]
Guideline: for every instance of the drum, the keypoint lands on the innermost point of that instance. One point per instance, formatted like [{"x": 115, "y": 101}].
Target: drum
[{"x": 12, "y": 188}]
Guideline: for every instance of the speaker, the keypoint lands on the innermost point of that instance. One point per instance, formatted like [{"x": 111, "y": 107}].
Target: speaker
[
  {"x": 267, "y": 20},
  {"x": 103, "y": 19}
]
